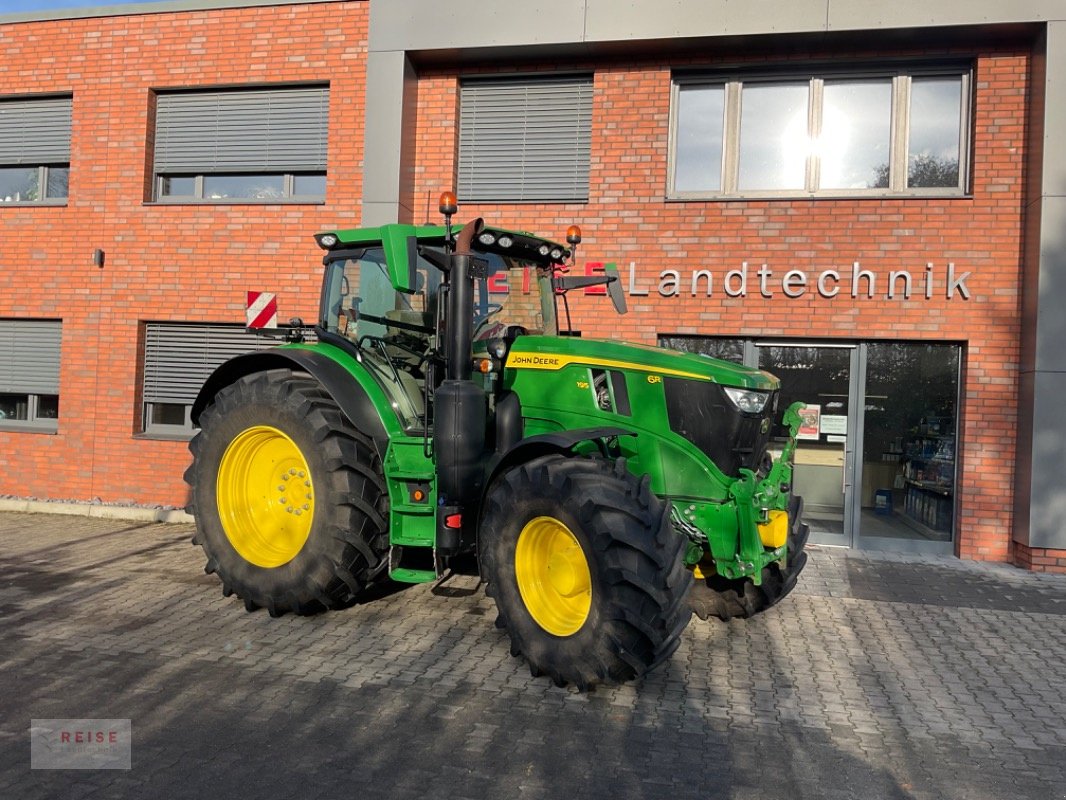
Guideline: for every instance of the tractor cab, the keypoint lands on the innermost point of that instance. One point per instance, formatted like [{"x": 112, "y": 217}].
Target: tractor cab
[
  {"x": 384, "y": 288},
  {"x": 361, "y": 301},
  {"x": 384, "y": 300}
]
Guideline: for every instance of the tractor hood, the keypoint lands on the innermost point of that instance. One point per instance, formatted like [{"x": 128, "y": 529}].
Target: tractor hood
[{"x": 557, "y": 352}]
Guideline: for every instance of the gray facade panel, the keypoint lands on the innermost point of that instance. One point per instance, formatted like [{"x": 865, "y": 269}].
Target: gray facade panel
[
  {"x": 1054, "y": 171},
  {"x": 1023, "y": 467},
  {"x": 1034, "y": 165},
  {"x": 421, "y": 25},
  {"x": 863, "y": 14},
  {"x": 1048, "y": 493},
  {"x": 378, "y": 212},
  {"x": 388, "y": 83},
  {"x": 1042, "y": 428},
  {"x": 1050, "y": 321},
  {"x": 609, "y": 20},
  {"x": 424, "y": 25}
]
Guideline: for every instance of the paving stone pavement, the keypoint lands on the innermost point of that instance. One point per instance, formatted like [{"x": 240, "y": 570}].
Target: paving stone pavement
[{"x": 881, "y": 676}]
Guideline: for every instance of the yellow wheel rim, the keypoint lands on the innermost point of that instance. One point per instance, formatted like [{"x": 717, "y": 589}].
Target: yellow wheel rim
[
  {"x": 265, "y": 496},
  {"x": 553, "y": 576}
]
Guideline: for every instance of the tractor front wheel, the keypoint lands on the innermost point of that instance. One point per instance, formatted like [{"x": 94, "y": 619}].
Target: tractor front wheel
[
  {"x": 289, "y": 498},
  {"x": 585, "y": 568}
]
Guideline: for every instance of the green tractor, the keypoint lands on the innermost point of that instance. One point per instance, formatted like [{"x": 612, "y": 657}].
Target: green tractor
[{"x": 436, "y": 418}]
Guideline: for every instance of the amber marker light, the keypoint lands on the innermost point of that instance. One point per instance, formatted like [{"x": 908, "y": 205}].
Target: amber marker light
[
  {"x": 573, "y": 234},
  {"x": 448, "y": 204}
]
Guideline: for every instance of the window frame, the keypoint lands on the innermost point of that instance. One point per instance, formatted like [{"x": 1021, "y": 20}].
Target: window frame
[
  {"x": 524, "y": 190},
  {"x": 288, "y": 190},
  {"x": 34, "y": 423},
  {"x": 23, "y": 384},
  {"x": 901, "y": 77},
  {"x": 288, "y": 173},
  {"x": 148, "y": 427},
  {"x": 42, "y": 181},
  {"x": 41, "y": 155}
]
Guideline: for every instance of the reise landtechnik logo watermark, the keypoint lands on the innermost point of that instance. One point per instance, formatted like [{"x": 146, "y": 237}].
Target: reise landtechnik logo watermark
[{"x": 81, "y": 744}]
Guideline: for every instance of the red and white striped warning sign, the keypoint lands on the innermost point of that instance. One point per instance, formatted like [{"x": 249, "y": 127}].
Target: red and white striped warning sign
[{"x": 262, "y": 310}]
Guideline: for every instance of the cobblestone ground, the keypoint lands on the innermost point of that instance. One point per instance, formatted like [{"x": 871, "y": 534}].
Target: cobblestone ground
[{"x": 880, "y": 677}]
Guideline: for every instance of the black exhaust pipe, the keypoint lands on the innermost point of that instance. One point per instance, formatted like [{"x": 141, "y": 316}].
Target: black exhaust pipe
[{"x": 460, "y": 406}]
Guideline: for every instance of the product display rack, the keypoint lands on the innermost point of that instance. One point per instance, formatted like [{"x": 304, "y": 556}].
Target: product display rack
[{"x": 929, "y": 477}]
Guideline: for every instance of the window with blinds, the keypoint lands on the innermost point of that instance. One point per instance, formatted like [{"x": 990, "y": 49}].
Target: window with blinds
[
  {"x": 29, "y": 374},
  {"x": 35, "y": 150},
  {"x": 251, "y": 145},
  {"x": 178, "y": 360},
  {"x": 525, "y": 140}
]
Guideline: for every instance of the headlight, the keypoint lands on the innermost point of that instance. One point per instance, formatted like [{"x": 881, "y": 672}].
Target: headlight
[
  {"x": 497, "y": 348},
  {"x": 747, "y": 400}
]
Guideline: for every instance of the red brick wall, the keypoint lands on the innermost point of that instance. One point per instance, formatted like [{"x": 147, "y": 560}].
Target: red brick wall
[
  {"x": 1039, "y": 559},
  {"x": 164, "y": 262},
  {"x": 627, "y": 219}
]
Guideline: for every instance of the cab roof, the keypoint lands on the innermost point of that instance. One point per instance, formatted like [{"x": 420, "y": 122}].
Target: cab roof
[{"x": 396, "y": 240}]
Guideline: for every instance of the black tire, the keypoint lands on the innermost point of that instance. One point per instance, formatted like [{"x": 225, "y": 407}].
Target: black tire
[
  {"x": 715, "y": 596},
  {"x": 638, "y": 605},
  {"x": 347, "y": 540}
]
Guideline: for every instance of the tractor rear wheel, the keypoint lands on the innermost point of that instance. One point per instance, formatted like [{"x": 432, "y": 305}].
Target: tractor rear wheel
[
  {"x": 715, "y": 596},
  {"x": 289, "y": 498},
  {"x": 585, "y": 568}
]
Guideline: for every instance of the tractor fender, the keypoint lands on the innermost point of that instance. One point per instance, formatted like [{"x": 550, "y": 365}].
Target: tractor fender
[
  {"x": 562, "y": 442},
  {"x": 352, "y": 398}
]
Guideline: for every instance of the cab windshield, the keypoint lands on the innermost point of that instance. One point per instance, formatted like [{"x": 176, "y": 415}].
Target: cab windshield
[
  {"x": 361, "y": 304},
  {"x": 514, "y": 299}
]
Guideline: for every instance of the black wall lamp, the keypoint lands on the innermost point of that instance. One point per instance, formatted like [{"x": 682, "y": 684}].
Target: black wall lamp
[{"x": 98, "y": 258}]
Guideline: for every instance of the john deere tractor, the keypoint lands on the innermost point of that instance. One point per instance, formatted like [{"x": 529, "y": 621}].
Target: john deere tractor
[{"x": 436, "y": 416}]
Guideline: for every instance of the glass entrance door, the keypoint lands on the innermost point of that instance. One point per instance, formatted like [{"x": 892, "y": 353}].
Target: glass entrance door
[
  {"x": 908, "y": 445},
  {"x": 823, "y": 377}
]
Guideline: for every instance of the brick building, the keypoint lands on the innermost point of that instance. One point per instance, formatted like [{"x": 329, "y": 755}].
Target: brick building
[{"x": 862, "y": 204}]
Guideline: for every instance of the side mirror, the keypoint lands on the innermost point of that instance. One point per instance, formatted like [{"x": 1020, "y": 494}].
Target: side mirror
[
  {"x": 564, "y": 283},
  {"x": 614, "y": 288}
]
